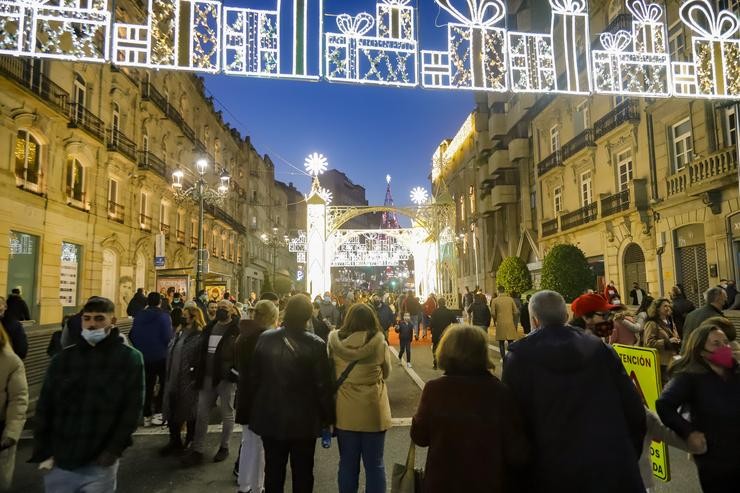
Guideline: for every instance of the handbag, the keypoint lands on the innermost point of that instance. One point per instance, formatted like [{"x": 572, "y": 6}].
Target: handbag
[{"x": 405, "y": 478}]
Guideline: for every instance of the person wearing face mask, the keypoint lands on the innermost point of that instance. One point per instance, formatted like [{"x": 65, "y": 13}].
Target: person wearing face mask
[
  {"x": 210, "y": 312},
  {"x": 89, "y": 406},
  {"x": 594, "y": 315},
  {"x": 706, "y": 382},
  {"x": 659, "y": 333},
  {"x": 384, "y": 313},
  {"x": 216, "y": 379},
  {"x": 329, "y": 311}
]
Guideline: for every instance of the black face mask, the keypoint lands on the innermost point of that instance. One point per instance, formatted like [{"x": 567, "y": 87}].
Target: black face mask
[
  {"x": 222, "y": 315},
  {"x": 603, "y": 329}
]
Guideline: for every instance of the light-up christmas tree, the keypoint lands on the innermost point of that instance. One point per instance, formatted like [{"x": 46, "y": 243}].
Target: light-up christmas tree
[{"x": 389, "y": 219}]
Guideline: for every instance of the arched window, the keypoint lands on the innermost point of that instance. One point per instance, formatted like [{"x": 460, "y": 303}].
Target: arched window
[
  {"x": 80, "y": 99},
  {"x": 27, "y": 158},
  {"x": 115, "y": 124},
  {"x": 75, "y": 182}
]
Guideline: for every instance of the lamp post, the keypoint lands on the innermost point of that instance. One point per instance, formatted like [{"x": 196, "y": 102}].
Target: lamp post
[
  {"x": 201, "y": 192},
  {"x": 274, "y": 241}
]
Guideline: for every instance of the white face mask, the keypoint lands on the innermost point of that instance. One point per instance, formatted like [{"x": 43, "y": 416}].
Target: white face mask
[{"x": 94, "y": 336}]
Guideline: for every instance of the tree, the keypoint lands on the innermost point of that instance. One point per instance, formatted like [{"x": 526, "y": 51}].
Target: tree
[
  {"x": 565, "y": 270},
  {"x": 282, "y": 285},
  {"x": 267, "y": 284},
  {"x": 514, "y": 275}
]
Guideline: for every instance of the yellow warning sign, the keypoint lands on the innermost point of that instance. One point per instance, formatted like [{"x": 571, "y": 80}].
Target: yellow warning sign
[{"x": 644, "y": 370}]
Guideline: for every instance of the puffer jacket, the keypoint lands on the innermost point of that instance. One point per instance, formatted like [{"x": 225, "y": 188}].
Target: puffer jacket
[
  {"x": 362, "y": 399},
  {"x": 290, "y": 385}
]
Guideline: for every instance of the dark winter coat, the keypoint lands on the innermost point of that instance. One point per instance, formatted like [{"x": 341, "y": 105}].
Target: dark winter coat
[
  {"x": 17, "y": 309},
  {"x": 385, "y": 315},
  {"x": 182, "y": 406},
  {"x": 731, "y": 292},
  {"x": 480, "y": 314},
  {"x": 330, "y": 313},
  {"x": 72, "y": 331},
  {"x": 714, "y": 407},
  {"x": 682, "y": 306},
  {"x": 524, "y": 317},
  {"x": 17, "y": 335},
  {"x": 137, "y": 303},
  {"x": 291, "y": 385},
  {"x": 249, "y": 333},
  {"x": 442, "y": 317},
  {"x": 412, "y": 306},
  {"x": 223, "y": 358},
  {"x": 151, "y": 333},
  {"x": 475, "y": 435},
  {"x": 405, "y": 330},
  {"x": 695, "y": 319},
  {"x": 583, "y": 415},
  {"x": 320, "y": 328}
]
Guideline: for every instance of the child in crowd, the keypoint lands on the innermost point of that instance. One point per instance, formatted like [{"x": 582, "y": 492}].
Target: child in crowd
[{"x": 405, "y": 332}]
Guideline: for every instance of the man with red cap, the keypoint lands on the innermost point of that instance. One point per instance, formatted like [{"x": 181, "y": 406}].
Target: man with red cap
[{"x": 595, "y": 313}]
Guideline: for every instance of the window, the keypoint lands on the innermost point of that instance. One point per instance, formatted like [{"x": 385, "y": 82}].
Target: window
[
  {"x": 27, "y": 158},
  {"x": 254, "y": 222},
  {"x": 115, "y": 124},
  {"x": 145, "y": 143},
  {"x": 164, "y": 214},
  {"x": 557, "y": 199},
  {"x": 180, "y": 222},
  {"x": 471, "y": 195},
  {"x": 214, "y": 242},
  {"x": 143, "y": 206},
  {"x": 194, "y": 229},
  {"x": 624, "y": 168},
  {"x": 112, "y": 196},
  {"x": 683, "y": 146},
  {"x": 75, "y": 180},
  {"x": 676, "y": 41},
  {"x": 582, "y": 118},
  {"x": 80, "y": 92},
  {"x": 555, "y": 138},
  {"x": 615, "y": 8},
  {"x": 587, "y": 194},
  {"x": 730, "y": 127}
]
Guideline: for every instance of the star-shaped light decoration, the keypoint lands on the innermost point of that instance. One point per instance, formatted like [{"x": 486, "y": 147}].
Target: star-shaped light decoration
[
  {"x": 316, "y": 164},
  {"x": 419, "y": 195},
  {"x": 326, "y": 195},
  {"x": 388, "y": 179}
]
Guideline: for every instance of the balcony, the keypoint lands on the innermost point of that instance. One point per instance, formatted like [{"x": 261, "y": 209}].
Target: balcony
[
  {"x": 550, "y": 162},
  {"x": 22, "y": 72},
  {"x": 519, "y": 149},
  {"x": 164, "y": 229},
  {"x": 115, "y": 212},
  {"x": 118, "y": 142},
  {"x": 254, "y": 172},
  {"x": 81, "y": 117},
  {"x": 149, "y": 161},
  {"x": 714, "y": 171},
  {"x": 77, "y": 200},
  {"x": 193, "y": 242},
  {"x": 614, "y": 204},
  {"x": 550, "y": 227},
  {"x": 576, "y": 144},
  {"x": 145, "y": 222},
  {"x": 499, "y": 160},
  {"x": 224, "y": 216},
  {"x": 150, "y": 93},
  {"x": 579, "y": 217},
  {"x": 626, "y": 111},
  {"x": 180, "y": 236}
]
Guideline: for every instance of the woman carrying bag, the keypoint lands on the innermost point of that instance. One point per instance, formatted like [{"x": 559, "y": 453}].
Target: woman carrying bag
[{"x": 362, "y": 406}]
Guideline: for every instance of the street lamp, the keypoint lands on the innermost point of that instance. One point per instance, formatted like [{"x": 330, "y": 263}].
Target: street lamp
[
  {"x": 201, "y": 192},
  {"x": 274, "y": 241}
]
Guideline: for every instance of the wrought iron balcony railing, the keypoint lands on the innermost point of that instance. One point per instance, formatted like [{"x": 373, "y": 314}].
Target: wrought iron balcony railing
[
  {"x": 550, "y": 162},
  {"x": 150, "y": 93},
  {"x": 550, "y": 227},
  {"x": 149, "y": 161},
  {"x": 81, "y": 117},
  {"x": 626, "y": 111},
  {"x": 145, "y": 222},
  {"x": 578, "y": 217},
  {"x": 118, "y": 142},
  {"x": 116, "y": 211},
  {"x": 580, "y": 141},
  {"x": 615, "y": 203},
  {"x": 194, "y": 242},
  {"x": 180, "y": 235},
  {"x": 22, "y": 72}
]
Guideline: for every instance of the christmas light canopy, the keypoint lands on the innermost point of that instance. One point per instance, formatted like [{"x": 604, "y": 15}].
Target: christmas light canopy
[
  {"x": 316, "y": 164},
  {"x": 300, "y": 39},
  {"x": 419, "y": 195}
]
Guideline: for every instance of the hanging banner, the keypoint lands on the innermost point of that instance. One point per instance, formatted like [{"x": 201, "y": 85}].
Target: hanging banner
[{"x": 159, "y": 251}]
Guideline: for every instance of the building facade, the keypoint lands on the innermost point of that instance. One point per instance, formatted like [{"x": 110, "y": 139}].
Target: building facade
[{"x": 346, "y": 192}]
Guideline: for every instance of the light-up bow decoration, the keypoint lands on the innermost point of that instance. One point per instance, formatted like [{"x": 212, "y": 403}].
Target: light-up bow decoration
[
  {"x": 645, "y": 13},
  {"x": 478, "y": 12},
  {"x": 617, "y": 42},
  {"x": 569, "y": 6},
  {"x": 700, "y": 17},
  {"x": 396, "y": 3},
  {"x": 358, "y": 25}
]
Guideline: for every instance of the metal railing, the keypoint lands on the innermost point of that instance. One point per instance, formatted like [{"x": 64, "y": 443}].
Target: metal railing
[
  {"x": 193, "y": 242},
  {"x": 626, "y": 111},
  {"x": 149, "y": 161},
  {"x": 118, "y": 142},
  {"x": 81, "y": 117},
  {"x": 701, "y": 171},
  {"x": 145, "y": 222},
  {"x": 580, "y": 141},
  {"x": 550, "y": 162},
  {"x": 615, "y": 203},
  {"x": 578, "y": 217},
  {"x": 22, "y": 71},
  {"x": 224, "y": 216},
  {"x": 116, "y": 211},
  {"x": 550, "y": 227},
  {"x": 180, "y": 236},
  {"x": 150, "y": 93}
]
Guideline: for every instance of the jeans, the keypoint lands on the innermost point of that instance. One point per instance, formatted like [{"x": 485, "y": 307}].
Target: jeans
[
  {"x": 87, "y": 479},
  {"x": 154, "y": 370},
  {"x": 224, "y": 391},
  {"x": 301, "y": 454},
  {"x": 434, "y": 353},
  {"x": 404, "y": 346},
  {"x": 415, "y": 321},
  {"x": 251, "y": 462},
  {"x": 502, "y": 347},
  {"x": 425, "y": 321},
  {"x": 176, "y": 433},
  {"x": 354, "y": 445}
]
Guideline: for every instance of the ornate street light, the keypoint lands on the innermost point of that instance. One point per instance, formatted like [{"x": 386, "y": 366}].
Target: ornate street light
[
  {"x": 201, "y": 192},
  {"x": 274, "y": 241}
]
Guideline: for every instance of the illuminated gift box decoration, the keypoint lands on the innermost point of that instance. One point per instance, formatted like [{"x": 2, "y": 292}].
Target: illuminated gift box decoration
[
  {"x": 251, "y": 42},
  {"x": 716, "y": 51},
  {"x": 353, "y": 56},
  {"x": 531, "y": 62},
  {"x": 395, "y": 19},
  {"x": 570, "y": 39},
  {"x": 648, "y": 26}
]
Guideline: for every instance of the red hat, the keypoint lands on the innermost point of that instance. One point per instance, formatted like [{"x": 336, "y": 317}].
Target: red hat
[{"x": 590, "y": 303}]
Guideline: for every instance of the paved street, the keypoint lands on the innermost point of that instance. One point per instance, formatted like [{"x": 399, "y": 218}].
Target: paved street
[{"x": 142, "y": 470}]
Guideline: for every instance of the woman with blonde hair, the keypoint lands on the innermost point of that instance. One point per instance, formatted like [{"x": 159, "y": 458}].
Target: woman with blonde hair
[
  {"x": 706, "y": 382},
  {"x": 180, "y": 394},
  {"x": 13, "y": 405},
  {"x": 469, "y": 420},
  {"x": 362, "y": 363},
  {"x": 659, "y": 333}
]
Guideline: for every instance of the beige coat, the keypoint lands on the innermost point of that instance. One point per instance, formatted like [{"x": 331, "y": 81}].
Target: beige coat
[
  {"x": 362, "y": 400},
  {"x": 13, "y": 405},
  {"x": 505, "y": 317}
]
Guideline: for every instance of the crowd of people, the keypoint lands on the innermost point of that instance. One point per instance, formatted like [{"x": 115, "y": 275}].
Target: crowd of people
[{"x": 564, "y": 416}]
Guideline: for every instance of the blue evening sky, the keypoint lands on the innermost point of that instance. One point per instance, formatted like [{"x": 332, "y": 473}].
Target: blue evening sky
[{"x": 364, "y": 131}]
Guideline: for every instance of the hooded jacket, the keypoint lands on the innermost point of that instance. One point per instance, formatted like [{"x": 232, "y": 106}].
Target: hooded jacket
[
  {"x": 151, "y": 333},
  {"x": 585, "y": 419},
  {"x": 362, "y": 399}
]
